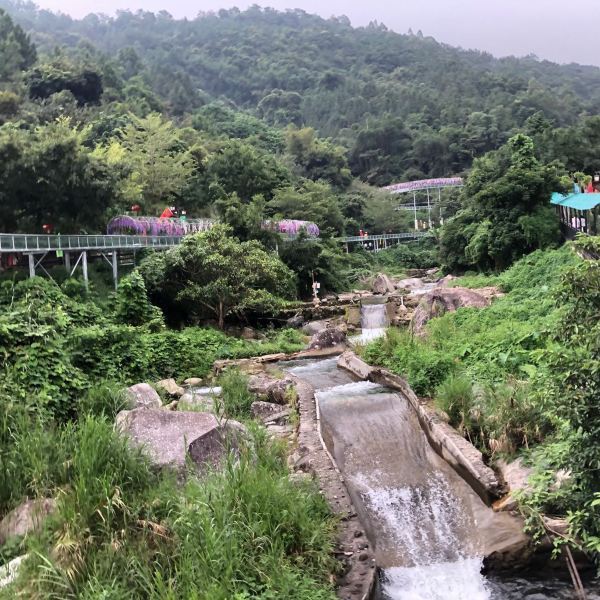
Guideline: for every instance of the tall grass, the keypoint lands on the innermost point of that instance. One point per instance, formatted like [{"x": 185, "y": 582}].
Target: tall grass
[
  {"x": 247, "y": 531},
  {"x": 456, "y": 398},
  {"x": 235, "y": 399}
]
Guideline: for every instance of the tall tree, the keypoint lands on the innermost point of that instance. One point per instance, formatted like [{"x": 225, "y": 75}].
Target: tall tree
[
  {"x": 213, "y": 272},
  {"x": 158, "y": 164},
  {"x": 505, "y": 211}
]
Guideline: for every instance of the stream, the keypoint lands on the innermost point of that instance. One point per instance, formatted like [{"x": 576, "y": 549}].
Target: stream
[{"x": 425, "y": 522}]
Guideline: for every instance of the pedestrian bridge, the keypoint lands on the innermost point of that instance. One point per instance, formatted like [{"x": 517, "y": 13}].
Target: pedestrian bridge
[{"x": 74, "y": 249}]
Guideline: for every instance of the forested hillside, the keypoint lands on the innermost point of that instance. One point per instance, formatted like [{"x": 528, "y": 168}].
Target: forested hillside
[
  {"x": 250, "y": 118},
  {"x": 402, "y": 106}
]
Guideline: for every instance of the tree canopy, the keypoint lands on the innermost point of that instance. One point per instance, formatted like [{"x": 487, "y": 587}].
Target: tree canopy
[{"x": 213, "y": 272}]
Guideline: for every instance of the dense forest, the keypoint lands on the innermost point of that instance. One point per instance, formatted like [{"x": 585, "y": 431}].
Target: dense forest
[
  {"x": 243, "y": 115},
  {"x": 254, "y": 116},
  {"x": 402, "y": 106}
]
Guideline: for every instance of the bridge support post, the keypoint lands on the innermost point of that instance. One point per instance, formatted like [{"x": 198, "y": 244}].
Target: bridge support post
[
  {"x": 115, "y": 268},
  {"x": 68, "y": 262},
  {"x": 84, "y": 267},
  {"x": 31, "y": 258}
]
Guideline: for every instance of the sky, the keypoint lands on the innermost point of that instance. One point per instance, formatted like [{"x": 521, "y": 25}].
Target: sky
[{"x": 553, "y": 29}]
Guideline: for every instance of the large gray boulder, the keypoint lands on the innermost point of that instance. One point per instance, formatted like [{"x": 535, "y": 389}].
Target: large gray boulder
[
  {"x": 170, "y": 387},
  {"x": 27, "y": 518},
  {"x": 314, "y": 327},
  {"x": 143, "y": 395},
  {"x": 170, "y": 437},
  {"x": 383, "y": 285},
  {"x": 442, "y": 300},
  {"x": 328, "y": 338}
]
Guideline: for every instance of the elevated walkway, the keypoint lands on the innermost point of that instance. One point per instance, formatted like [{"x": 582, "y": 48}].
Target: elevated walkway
[{"x": 75, "y": 250}]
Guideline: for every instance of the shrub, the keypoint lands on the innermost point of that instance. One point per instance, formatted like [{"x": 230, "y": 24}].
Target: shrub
[
  {"x": 133, "y": 306},
  {"x": 424, "y": 367},
  {"x": 456, "y": 398},
  {"x": 236, "y": 399}
]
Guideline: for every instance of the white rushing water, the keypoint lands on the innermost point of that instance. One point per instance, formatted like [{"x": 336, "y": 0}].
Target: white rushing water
[
  {"x": 425, "y": 522},
  {"x": 419, "y": 510},
  {"x": 373, "y": 322}
]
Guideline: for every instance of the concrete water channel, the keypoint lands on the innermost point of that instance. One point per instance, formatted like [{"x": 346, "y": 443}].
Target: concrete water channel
[{"x": 429, "y": 529}]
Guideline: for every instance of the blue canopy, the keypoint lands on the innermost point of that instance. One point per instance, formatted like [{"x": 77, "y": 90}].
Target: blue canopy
[{"x": 576, "y": 201}]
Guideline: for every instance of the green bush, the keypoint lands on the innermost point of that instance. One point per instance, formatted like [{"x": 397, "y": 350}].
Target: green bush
[
  {"x": 456, "y": 398},
  {"x": 424, "y": 367},
  {"x": 236, "y": 399}
]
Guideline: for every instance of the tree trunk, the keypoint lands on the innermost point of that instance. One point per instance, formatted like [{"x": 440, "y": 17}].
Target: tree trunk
[{"x": 221, "y": 316}]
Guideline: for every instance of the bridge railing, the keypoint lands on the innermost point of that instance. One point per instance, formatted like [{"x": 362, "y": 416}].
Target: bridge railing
[
  {"x": 16, "y": 242},
  {"x": 385, "y": 236}
]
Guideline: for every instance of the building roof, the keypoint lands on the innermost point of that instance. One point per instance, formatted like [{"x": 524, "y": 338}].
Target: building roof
[{"x": 576, "y": 201}]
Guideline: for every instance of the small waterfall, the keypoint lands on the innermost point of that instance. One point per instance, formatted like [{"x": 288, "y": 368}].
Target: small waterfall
[
  {"x": 428, "y": 524},
  {"x": 373, "y": 321}
]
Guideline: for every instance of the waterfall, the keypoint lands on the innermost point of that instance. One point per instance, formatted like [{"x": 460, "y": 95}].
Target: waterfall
[
  {"x": 428, "y": 523},
  {"x": 373, "y": 321},
  {"x": 427, "y": 526}
]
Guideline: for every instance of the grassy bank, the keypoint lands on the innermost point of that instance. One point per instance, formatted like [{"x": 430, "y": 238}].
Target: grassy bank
[{"x": 121, "y": 530}]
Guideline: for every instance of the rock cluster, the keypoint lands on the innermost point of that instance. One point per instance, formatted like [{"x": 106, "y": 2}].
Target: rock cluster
[
  {"x": 327, "y": 338},
  {"x": 170, "y": 437},
  {"x": 442, "y": 300}
]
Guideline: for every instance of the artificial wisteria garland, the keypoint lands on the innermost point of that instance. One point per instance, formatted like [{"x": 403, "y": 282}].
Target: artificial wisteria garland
[
  {"x": 423, "y": 184},
  {"x": 156, "y": 226}
]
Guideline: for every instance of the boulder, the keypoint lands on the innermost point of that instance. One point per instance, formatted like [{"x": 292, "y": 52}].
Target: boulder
[
  {"x": 411, "y": 283},
  {"x": 274, "y": 390},
  {"x": 353, "y": 316},
  {"x": 514, "y": 476},
  {"x": 314, "y": 327},
  {"x": 383, "y": 285},
  {"x": 442, "y": 300},
  {"x": 193, "y": 382},
  {"x": 268, "y": 412},
  {"x": 248, "y": 333},
  {"x": 170, "y": 437},
  {"x": 143, "y": 395},
  {"x": 170, "y": 387},
  {"x": 446, "y": 281},
  {"x": 295, "y": 322},
  {"x": 328, "y": 338},
  {"x": 27, "y": 518},
  {"x": 263, "y": 410}
]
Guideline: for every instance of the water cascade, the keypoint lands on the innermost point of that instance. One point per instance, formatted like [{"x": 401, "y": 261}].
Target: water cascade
[
  {"x": 373, "y": 321},
  {"x": 422, "y": 518}
]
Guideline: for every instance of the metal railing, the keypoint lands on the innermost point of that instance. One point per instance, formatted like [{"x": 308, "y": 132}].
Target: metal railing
[
  {"x": 24, "y": 243},
  {"x": 385, "y": 236},
  {"x": 32, "y": 243}
]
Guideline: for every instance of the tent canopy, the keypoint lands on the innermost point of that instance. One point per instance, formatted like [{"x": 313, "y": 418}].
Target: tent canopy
[{"x": 576, "y": 201}]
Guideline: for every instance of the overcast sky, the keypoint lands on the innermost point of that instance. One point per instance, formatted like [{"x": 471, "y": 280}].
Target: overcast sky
[{"x": 563, "y": 31}]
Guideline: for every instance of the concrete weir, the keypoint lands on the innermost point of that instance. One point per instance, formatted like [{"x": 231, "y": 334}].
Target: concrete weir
[{"x": 411, "y": 482}]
